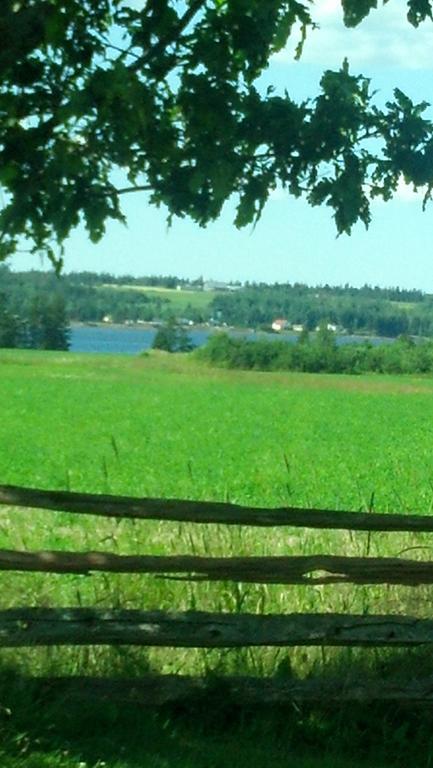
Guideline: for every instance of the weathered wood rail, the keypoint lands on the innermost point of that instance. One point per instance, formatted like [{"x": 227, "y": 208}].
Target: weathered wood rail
[
  {"x": 33, "y": 627},
  {"x": 294, "y": 569},
  {"x": 210, "y": 511},
  {"x": 195, "y": 629}
]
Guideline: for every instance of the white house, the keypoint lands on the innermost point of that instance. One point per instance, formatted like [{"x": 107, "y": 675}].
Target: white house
[
  {"x": 280, "y": 324},
  {"x": 329, "y": 327}
]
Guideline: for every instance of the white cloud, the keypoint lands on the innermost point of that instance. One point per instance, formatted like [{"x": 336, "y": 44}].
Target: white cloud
[
  {"x": 324, "y": 8},
  {"x": 407, "y": 194},
  {"x": 278, "y": 194},
  {"x": 384, "y": 39}
]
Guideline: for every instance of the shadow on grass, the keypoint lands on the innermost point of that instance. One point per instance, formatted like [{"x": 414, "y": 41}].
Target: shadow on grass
[{"x": 41, "y": 730}]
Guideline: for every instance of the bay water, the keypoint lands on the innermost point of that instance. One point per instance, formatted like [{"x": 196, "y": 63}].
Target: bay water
[{"x": 131, "y": 340}]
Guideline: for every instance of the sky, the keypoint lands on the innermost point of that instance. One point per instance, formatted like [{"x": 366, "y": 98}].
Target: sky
[{"x": 292, "y": 242}]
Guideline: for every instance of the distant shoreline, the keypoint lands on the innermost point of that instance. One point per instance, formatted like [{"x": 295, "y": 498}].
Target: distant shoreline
[
  {"x": 148, "y": 326},
  {"x": 145, "y": 326}
]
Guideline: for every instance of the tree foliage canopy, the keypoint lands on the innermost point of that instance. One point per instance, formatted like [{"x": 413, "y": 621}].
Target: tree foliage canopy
[{"x": 162, "y": 94}]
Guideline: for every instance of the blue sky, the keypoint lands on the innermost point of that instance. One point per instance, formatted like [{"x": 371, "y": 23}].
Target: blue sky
[{"x": 293, "y": 242}]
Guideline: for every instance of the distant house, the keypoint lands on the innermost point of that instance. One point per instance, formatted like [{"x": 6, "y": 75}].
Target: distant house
[
  {"x": 280, "y": 324},
  {"x": 184, "y": 321},
  {"x": 214, "y": 285},
  {"x": 189, "y": 287},
  {"x": 329, "y": 327},
  {"x": 297, "y": 328}
]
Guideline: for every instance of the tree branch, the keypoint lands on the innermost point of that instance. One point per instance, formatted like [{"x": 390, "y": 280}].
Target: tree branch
[
  {"x": 124, "y": 51},
  {"x": 126, "y": 190},
  {"x": 172, "y": 37}
]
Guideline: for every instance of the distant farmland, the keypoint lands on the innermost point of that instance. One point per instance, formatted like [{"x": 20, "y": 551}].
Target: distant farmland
[{"x": 179, "y": 299}]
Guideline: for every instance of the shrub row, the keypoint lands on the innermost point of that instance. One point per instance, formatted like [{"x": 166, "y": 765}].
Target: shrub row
[{"x": 321, "y": 354}]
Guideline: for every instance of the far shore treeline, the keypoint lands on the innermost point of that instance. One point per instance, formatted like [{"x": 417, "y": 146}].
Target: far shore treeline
[{"x": 91, "y": 297}]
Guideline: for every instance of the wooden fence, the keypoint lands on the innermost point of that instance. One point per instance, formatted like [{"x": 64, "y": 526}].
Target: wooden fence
[{"x": 24, "y": 626}]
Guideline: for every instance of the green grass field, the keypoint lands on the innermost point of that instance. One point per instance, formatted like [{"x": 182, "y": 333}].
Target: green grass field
[
  {"x": 179, "y": 299},
  {"x": 167, "y": 426}
]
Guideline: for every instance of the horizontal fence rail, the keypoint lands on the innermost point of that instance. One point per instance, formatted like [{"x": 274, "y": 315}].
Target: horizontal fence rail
[
  {"x": 33, "y": 627},
  {"x": 209, "y": 512},
  {"x": 21, "y": 627},
  {"x": 303, "y": 569},
  {"x": 156, "y": 691}
]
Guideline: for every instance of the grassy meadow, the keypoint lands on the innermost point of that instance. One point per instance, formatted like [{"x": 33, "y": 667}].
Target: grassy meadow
[
  {"x": 179, "y": 300},
  {"x": 167, "y": 426}
]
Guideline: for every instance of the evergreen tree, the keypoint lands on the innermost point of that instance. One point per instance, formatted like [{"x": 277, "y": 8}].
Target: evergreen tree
[
  {"x": 9, "y": 326},
  {"x": 325, "y": 338},
  {"x": 48, "y": 326},
  {"x": 56, "y": 331},
  {"x": 171, "y": 337},
  {"x": 304, "y": 336}
]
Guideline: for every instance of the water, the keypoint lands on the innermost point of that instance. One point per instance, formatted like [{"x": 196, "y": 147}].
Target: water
[
  {"x": 132, "y": 340},
  {"x": 111, "y": 340}
]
